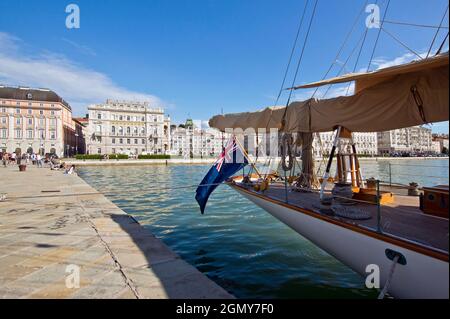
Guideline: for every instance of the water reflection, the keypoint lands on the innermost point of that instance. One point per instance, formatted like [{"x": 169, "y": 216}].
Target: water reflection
[{"x": 238, "y": 245}]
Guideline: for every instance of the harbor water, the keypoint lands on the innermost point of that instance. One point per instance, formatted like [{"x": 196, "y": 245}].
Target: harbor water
[{"x": 238, "y": 245}]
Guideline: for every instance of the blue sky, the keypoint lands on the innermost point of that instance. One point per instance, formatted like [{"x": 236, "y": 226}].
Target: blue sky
[{"x": 195, "y": 57}]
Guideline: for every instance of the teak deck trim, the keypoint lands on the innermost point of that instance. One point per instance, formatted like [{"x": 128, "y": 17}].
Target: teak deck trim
[{"x": 428, "y": 251}]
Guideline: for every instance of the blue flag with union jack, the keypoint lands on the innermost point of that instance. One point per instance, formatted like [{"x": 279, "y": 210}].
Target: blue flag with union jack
[{"x": 231, "y": 160}]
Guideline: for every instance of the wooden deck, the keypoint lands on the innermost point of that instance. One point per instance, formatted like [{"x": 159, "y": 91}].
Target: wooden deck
[{"x": 402, "y": 219}]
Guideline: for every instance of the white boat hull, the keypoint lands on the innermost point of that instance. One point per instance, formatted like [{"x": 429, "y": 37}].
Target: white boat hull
[{"x": 422, "y": 277}]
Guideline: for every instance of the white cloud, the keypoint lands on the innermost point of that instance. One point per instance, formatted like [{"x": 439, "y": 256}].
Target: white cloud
[
  {"x": 76, "y": 84},
  {"x": 81, "y": 48},
  {"x": 382, "y": 63},
  {"x": 326, "y": 92},
  {"x": 342, "y": 89}
]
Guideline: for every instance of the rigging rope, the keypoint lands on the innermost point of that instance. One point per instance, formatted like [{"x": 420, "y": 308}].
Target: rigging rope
[
  {"x": 401, "y": 43},
  {"x": 415, "y": 24},
  {"x": 292, "y": 53},
  {"x": 388, "y": 281},
  {"x": 344, "y": 65},
  {"x": 359, "y": 55},
  {"x": 305, "y": 42},
  {"x": 437, "y": 32},
  {"x": 285, "y": 77},
  {"x": 442, "y": 45},
  {"x": 378, "y": 35},
  {"x": 342, "y": 46}
]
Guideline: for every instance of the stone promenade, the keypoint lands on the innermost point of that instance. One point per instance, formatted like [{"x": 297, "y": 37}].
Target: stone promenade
[{"x": 54, "y": 227}]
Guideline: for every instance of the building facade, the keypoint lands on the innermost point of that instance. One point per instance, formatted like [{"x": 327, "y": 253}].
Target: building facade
[
  {"x": 366, "y": 143},
  {"x": 416, "y": 139},
  {"x": 35, "y": 121},
  {"x": 191, "y": 141},
  {"x": 441, "y": 142},
  {"x": 81, "y": 134},
  {"x": 125, "y": 127}
]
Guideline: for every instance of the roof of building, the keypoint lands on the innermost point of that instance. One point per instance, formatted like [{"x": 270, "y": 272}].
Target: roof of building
[
  {"x": 81, "y": 120},
  {"x": 31, "y": 94}
]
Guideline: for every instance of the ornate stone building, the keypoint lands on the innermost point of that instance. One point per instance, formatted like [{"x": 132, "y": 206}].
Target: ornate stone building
[{"x": 126, "y": 127}]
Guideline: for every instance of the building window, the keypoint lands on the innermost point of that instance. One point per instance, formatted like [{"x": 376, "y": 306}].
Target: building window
[
  {"x": 18, "y": 111},
  {"x": 30, "y": 111},
  {"x": 128, "y": 130},
  {"x": 3, "y": 133},
  {"x": 41, "y": 122},
  {"x": 41, "y": 112},
  {"x": 4, "y": 120},
  {"x": 135, "y": 141},
  {"x": 53, "y": 122},
  {"x": 3, "y": 108},
  {"x": 52, "y": 112},
  {"x": 41, "y": 134},
  {"x": 30, "y": 121},
  {"x": 128, "y": 141},
  {"x": 52, "y": 135},
  {"x": 120, "y": 130},
  {"x": 113, "y": 141},
  {"x": 113, "y": 130},
  {"x": 113, "y": 151},
  {"x": 121, "y": 141},
  {"x": 128, "y": 117},
  {"x": 18, "y": 121},
  {"x": 120, "y": 118},
  {"x": 143, "y": 141},
  {"x": 99, "y": 116},
  {"x": 29, "y": 133},
  {"x": 99, "y": 150},
  {"x": 18, "y": 133}
]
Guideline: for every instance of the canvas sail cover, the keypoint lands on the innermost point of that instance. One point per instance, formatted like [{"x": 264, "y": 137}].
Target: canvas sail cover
[{"x": 390, "y": 100}]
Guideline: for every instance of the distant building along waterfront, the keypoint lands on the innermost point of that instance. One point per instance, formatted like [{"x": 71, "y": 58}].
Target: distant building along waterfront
[
  {"x": 35, "y": 120},
  {"x": 125, "y": 127},
  {"x": 188, "y": 140},
  {"x": 441, "y": 142},
  {"x": 366, "y": 143},
  {"x": 416, "y": 139}
]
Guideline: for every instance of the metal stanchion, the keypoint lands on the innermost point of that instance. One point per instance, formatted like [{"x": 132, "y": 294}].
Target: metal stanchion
[{"x": 379, "y": 229}]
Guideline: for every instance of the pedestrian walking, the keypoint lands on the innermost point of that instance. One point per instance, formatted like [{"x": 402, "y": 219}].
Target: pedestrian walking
[{"x": 39, "y": 160}]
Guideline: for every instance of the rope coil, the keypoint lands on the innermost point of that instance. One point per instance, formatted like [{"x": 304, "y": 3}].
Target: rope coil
[{"x": 286, "y": 152}]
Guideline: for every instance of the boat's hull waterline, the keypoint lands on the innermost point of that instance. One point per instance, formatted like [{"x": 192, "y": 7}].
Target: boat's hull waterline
[{"x": 422, "y": 276}]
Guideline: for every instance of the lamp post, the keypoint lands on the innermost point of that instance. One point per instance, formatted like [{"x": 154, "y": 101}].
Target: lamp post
[
  {"x": 76, "y": 143},
  {"x": 201, "y": 143},
  {"x": 41, "y": 144}
]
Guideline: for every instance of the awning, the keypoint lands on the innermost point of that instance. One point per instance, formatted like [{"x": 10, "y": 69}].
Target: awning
[
  {"x": 364, "y": 80},
  {"x": 412, "y": 96}
]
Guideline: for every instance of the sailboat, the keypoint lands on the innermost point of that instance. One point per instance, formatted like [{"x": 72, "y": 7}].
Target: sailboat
[{"x": 360, "y": 222}]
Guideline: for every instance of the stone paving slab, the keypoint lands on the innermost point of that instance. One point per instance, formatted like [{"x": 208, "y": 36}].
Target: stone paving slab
[{"x": 51, "y": 220}]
